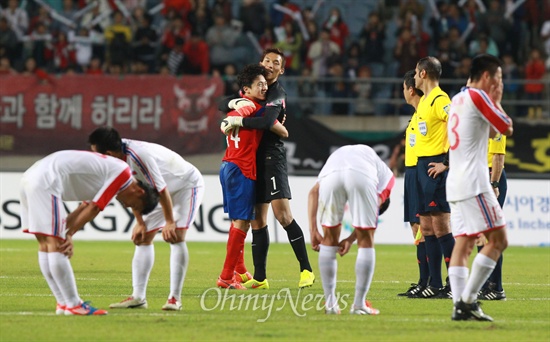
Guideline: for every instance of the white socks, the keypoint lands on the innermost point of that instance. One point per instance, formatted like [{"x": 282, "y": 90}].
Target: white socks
[
  {"x": 364, "y": 270},
  {"x": 62, "y": 273},
  {"x": 481, "y": 270},
  {"x": 328, "y": 266},
  {"x": 458, "y": 275},
  {"x": 142, "y": 263},
  {"x": 45, "y": 268},
  {"x": 179, "y": 259}
]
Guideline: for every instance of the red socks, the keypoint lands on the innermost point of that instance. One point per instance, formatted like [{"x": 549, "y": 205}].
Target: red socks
[{"x": 234, "y": 256}]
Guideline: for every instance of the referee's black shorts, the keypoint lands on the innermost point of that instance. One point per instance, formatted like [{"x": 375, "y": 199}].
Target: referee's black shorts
[{"x": 410, "y": 200}]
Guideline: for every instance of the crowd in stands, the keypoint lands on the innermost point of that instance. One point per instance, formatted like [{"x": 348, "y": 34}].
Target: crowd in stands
[{"x": 346, "y": 41}]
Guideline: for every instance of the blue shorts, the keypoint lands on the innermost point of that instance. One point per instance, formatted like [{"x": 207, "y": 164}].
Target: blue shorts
[
  {"x": 411, "y": 196},
  {"x": 432, "y": 193},
  {"x": 239, "y": 192}
]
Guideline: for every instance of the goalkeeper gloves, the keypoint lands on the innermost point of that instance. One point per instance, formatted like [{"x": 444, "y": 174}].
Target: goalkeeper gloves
[
  {"x": 229, "y": 123},
  {"x": 240, "y": 102}
]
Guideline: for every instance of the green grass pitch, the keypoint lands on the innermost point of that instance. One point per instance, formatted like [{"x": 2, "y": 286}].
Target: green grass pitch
[{"x": 103, "y": 274}]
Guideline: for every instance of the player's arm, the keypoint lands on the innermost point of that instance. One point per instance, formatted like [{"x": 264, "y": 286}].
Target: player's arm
[
  {"x": 223, "y": 105},
  {"x": 496, "y": 171},
  {"x": 140, "y": 229},
  {"x": 169, "y": 230},
  {"x": 85, "y": 212},
  {"x": 279, "y": 129},
  {"x": 312, "y": 206}
]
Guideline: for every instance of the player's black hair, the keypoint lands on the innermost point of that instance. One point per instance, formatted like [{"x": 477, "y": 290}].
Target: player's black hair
[
  {"x": 105, "y": 139},
  {"x": 432, "y": 66},
  {"x": 275, "y": 51},
  {"x": 408, "y": 79},
  {"x": 150, "y": 198},
  {"x": 249, "y": 73},
  {"x": 384, "y": 206},
  {"x": 482, "y": 63}
]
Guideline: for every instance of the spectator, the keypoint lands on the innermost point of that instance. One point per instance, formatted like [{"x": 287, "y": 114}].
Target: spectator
[
  {"x": 42, "y": 17},
  {"x": 267, "y": 39},
  {"x": 322, "y": 52},
  {"x": 83, "y": 45},
  {"x": 483, "y": 44},
  {"x": 446, "y": 56},
  {"x": 339, "y": 31},
  {"x": 197, "y": 55},
  {"x": 176, "y": 29},
  {"x": 99, "y": 17},
  {"x": 95, "y": 67},
  {"x": 405, "y": 52},
  {"x": 339, "y": 90},
  {"x": 230, "y": 80},
  {"x": 223, "y": 8},
  {"x": 118, "y": 37},
  {"x": 61, "y": 53},
  {"x": 36, "y": 42},
  {"x": 439, "y": 25},
  {"x": 145, "y": 44},
  {"x": 363, "y": 91},
  {"x": 352, "y": 61},
  {"x": 494, "y": 22},
  {"x": 30, "y": 69},
  {"x": 412, "y": 6},
  {"x": 510, "y": 75},
  {"x": 222, "y": 39},
  {"x": 253, "y": 14},
  {"x": 456, "y": 18},
  {"x": 17, "y": 18},
  {"x": 5, "y": 67},
  {"x": 534, "y": 71},
  {"x": 372, "y": 39},
  {"x": 175, "y": 58},
  {"x": 68, "y": 11},
  {"x": 279, "y": 18},
  {"x": 307, "y": 92},
  {"x": 291, "y": 45},
  {"x": 200, "y": 18}
]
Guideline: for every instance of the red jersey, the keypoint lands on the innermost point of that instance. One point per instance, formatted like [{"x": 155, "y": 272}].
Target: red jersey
[{"x": 242, "y": 145}]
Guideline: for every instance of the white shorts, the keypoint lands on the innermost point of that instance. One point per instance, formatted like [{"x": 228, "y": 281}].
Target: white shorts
[
  {"x": 42, "y": 211},
  {"x": 185, "y": 205},
  {"x": 476, "y": 215},
  {"x": 353, "y": 187}
]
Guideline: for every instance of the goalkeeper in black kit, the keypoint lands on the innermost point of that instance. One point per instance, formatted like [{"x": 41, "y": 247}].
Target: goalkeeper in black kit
[{"x": 272, "y": 176}]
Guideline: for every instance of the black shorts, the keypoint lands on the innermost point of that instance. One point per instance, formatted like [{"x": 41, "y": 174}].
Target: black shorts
[
  {"x": 411, "y": 196},
  {"x": 433, "y": 195},
  {"x": 272, "y": 177}
]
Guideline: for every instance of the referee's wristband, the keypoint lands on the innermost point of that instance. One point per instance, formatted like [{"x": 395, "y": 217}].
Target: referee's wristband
[{"x": 495, "y": 184}]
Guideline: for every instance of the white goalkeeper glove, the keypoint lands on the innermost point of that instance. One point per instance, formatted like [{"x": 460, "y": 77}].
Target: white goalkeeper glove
[
  {"x": 240, "y": 102},
  {"x": 229, "y": 123}
]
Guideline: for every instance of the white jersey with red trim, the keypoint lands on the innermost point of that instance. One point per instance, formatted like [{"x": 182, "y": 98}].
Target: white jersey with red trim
[
  {"x": 360, "y": 158},
  {"x": 81, "y": 176},
  {"x": 472, "y": 115},
  {"x": 159, "y": 166}
]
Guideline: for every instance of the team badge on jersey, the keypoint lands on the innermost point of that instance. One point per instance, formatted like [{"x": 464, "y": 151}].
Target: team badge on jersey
[
  {"x": 422, "y": 127},
  {"x": 447, "y": 109},
  {"x": 412, "y": 140}
]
